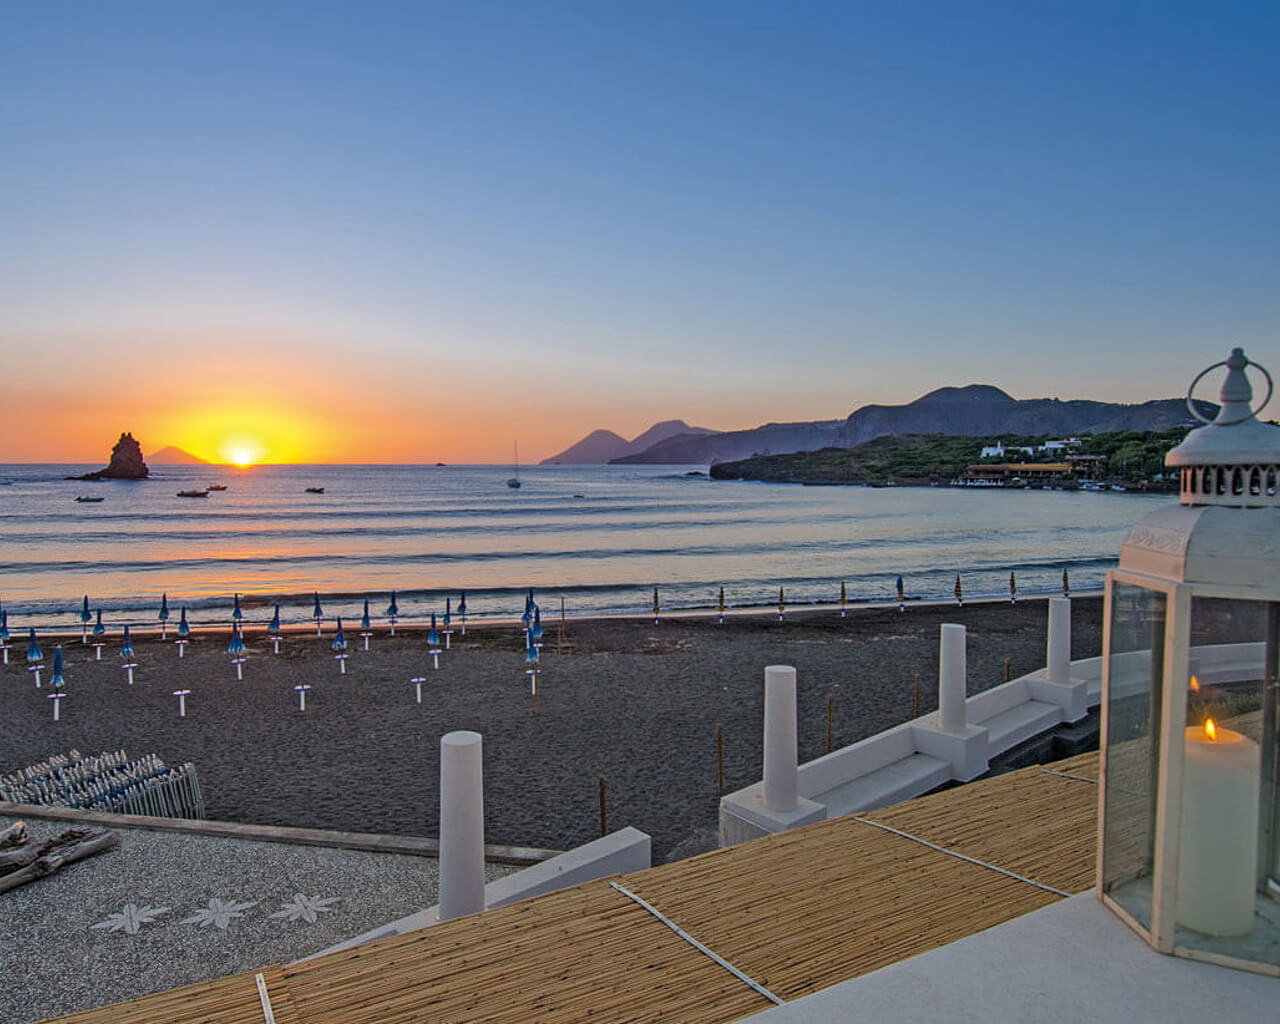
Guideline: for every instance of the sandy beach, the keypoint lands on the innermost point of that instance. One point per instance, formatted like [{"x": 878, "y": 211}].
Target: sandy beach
[{"x": 624, "y": 698}]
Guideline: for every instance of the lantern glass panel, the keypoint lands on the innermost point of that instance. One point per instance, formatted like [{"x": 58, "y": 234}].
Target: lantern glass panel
[
  {"x": 1226, "y": 892},
  {"x": 1136, "y": 683}
]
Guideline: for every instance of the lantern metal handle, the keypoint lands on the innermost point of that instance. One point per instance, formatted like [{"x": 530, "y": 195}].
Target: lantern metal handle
[{"x": 1191, "y": 405}]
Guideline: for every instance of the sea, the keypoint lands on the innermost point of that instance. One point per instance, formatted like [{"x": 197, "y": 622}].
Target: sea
[{"x": 600, "y": 538}]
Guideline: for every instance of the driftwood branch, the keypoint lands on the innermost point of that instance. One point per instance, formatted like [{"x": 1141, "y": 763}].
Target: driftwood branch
[
  {"x": 14, "y": 835},
  {"x": 37, "y": 861}
]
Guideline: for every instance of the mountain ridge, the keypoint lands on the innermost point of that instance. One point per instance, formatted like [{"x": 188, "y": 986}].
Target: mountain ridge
[
  {"x": 972, "y": 410},
  {"x": 603, "y": 446}
]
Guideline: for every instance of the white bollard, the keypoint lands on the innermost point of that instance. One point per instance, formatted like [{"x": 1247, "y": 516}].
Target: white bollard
[
  {"x": 461, "y": 825},
  {"x": 1058, "y": 657},
  {"x": 780, "y": 782},
  {"x": 302, "y": 696},
  {"x": 275, "y": 645},
  {"x": 182, "y": 702},
  {"x": 417, "y": 685},
  {"x": 951, "y": 679},
  {"x": 182, "y": 646}
]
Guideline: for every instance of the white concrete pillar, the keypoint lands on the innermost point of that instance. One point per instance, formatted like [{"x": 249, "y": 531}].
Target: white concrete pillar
[
  {"x": 951, "y": 679},
  {"x": 1059, "y": 653},
  {"x": 780, "y": 784},
  {"x": 461, "y": 825}
]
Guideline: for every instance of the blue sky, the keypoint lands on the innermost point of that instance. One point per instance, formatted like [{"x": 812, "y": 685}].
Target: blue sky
[{"x": 451, "y": 224}]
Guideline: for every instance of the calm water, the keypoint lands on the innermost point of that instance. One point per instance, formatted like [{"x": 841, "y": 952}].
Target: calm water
[{"x": 602, "y": 537}]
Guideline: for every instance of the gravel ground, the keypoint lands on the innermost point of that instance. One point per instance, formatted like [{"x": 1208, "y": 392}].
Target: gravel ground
[
  {"x": 54, "y": 959},
  {"x": 635, "y": 702}
]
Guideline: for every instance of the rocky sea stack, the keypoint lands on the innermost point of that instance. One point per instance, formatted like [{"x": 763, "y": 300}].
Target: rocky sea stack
[{"x": 126, "y": 463}]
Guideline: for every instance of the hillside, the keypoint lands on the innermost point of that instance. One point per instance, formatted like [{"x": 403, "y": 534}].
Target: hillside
[
  {"x": 978, "y": 410},
  {"x": 1132, "y": 457}
]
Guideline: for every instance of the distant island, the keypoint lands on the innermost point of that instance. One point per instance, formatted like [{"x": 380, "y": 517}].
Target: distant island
[
  {"x": 1113, "y": 460},
  {"x": 977, "y": 410},
  {"x": 174, "y": 456},
  {"x": 603, "y": 446},
  {"x": 126, "y": 463}
]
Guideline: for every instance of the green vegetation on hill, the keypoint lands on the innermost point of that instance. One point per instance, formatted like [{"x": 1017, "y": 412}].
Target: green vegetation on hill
[{"x": 1133, "y": 457}]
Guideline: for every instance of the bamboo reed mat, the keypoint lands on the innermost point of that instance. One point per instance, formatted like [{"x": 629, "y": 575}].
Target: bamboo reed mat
[
  {"x": 230, "y": 1000},
  {"x": 797, "y": 912}
]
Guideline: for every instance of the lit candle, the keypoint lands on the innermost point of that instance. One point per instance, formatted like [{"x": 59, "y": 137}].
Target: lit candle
[{"x": 1218, "y": 841}]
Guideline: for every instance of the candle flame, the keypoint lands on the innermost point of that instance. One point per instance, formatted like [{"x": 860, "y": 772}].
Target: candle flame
[
  {"x": 1195, "y": 685},
  {"x": 1210, "y": 730}
]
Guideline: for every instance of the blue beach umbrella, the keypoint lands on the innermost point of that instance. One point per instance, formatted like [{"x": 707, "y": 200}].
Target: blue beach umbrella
[
  {"x": 340, "y": 639},
  {"x": 4, "y": 626},
  {"x": 236, "y": 646},
  {"x": 536, "y": 632},
  {"x": 531, "y": 655},
  {"x": 57, "y": 679},
  {"x": 98, "y": 628},
  {"x": 34, "y": 653},
  {"x": 393, "y": 609},
  {"x": 433, "y": 638},
  {"x": 364, "y": 619},
  {"x": 462, "y": 603},
  {"x": 236, "y": 614},
  {"x": 126, "y": 648},
  {"x": 164, "y": 608},
  {"x": 274, "y": 625},
  {"x": 526, "y": 620},
  {"x": 184, "y": 630},
  {"x": 317, "y": 612},
  {"x": 84, "y": 610},
  {"x": 900, "y": 592},
  {"x": 448, "y": 616}
]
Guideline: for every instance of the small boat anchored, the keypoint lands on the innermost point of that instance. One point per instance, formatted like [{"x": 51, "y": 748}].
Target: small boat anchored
[
  {"x": 315, "y": 490},
  {"x": 216, "y": 487},
  {"x": 514, "y": 481},
  {"x": 86, "y": 498},
  {"x": 193, "y": 494}
]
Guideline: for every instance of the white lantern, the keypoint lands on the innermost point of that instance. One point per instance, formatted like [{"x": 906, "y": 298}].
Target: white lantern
[{"x": 1188, "y": 813}]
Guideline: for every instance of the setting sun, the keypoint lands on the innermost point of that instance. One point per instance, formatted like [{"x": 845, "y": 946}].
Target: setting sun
[{"x": 241, "y": 451}]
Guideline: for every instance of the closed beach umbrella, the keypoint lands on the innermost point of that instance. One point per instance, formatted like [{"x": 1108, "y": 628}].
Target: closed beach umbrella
[
  {"x": 433, "y": 638},
  {"x": 531, "y": 655},
  {"x": 528, "y": 601},
  {"x": 901, "y": 594},
  {"x": 526, "y": 620},
  {"x": 274, "y": 625},
  {"x": 958, "y": 592},
  {"x": 1013, "y": 588},
  {"x": 462, "y": 603},
  {"x": 393, "y": 609},
  {"x": 655, "y": 602},
  {"x": 448, "y": 613},
  {"x": 236, "y": 646},
  {"x": 126, "y": 647},
  {"x": 364, "y": 619},
  {"x": 98, "y": 628},
  {"x": 720, "y": 603},
  {"x": 164, "y": 608},
  {"x": 340, "y": 639},
  {"x": 84, "y": 610},
  {"x": 782, "y": 602},
  {"x": 236, "y": 615},
  {"x": 4, "y": 626},
  {"x": 1066, "y": 586},
  {"x": 34, "y": 653},
  {"x": 184, "y": 630},
  {"x": 317, "y": 612},
  {"x": 57, "y": 679},
  {"x": 536, "y": 632},
  {"x": 844, "y": 596}
]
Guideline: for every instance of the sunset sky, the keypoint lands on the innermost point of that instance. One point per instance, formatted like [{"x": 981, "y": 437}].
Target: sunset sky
[{"x": 410, "y": 232}]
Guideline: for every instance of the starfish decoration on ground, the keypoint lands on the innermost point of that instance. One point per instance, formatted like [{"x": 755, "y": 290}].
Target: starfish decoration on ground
[
  {"x": 305, "y": 908},
  {"x": 218, "y": 913},
  {"x": 130, "y": 918}
]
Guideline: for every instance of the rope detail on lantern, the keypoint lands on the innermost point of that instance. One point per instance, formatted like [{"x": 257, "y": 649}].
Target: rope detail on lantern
[
  {"x": 699, "y": 946},
  {"x": 960, "y": 856}
]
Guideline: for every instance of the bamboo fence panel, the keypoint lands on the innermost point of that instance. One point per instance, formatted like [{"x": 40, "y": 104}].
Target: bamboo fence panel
[{"x": 230, "y": 1000}]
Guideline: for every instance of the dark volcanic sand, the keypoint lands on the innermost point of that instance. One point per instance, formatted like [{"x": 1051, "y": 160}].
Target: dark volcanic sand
[{"x": 629, "y": 700}]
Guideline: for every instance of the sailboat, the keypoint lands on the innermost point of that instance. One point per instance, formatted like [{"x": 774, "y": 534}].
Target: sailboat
[{"x": 514, "y": 480}]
